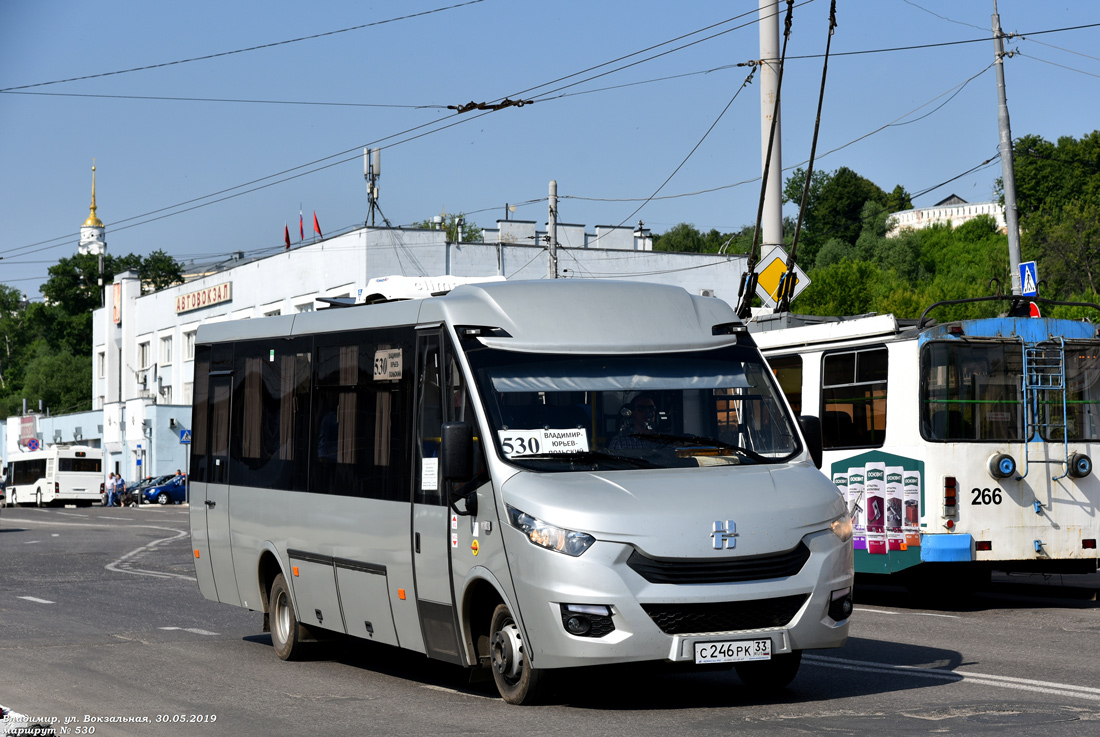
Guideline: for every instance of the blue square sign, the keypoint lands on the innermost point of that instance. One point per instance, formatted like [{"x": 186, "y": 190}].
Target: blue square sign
[{"x": 1029, "y": 279}]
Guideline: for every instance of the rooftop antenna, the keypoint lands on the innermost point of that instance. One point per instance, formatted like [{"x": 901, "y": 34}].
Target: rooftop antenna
[{"x": 372, "y": 170}]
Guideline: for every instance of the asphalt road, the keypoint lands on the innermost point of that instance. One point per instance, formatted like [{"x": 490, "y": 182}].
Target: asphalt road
[{"x": 101, "y": 621}]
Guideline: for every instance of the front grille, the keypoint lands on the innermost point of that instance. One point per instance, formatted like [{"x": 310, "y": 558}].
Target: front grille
[
  {"x": 726, "y": 616},
  {"x": 719, "y": 570}
]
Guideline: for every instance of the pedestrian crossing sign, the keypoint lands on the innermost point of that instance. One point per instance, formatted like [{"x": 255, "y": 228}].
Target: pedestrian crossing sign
[
  {"x": 1029, "y": 279},
  {"x": 185, "y": 437}
]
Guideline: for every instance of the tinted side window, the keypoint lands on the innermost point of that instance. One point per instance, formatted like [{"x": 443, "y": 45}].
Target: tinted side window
[
  {"x": 360, "y": 413},
  {"x": 853, "y": 398},
  {"x": 271, "y": 414}
]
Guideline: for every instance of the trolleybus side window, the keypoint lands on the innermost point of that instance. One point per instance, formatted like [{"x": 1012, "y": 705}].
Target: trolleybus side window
[
  {"x": 853, "y": 399},
  {"x": 788, "y": 372}
]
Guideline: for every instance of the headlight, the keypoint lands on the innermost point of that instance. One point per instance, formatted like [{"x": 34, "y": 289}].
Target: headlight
[
  {"x": 842, "y": 527},
  {"x": 548, "y": 536}
]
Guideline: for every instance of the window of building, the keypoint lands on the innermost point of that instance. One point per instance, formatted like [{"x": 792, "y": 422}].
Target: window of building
[
  {"x": 101, "y": 365},
  {"x": 188, "y": 392},
  {"x": 166, "y": 394},
  {"x": 143, "y": 355},
  {"x": 853, "y": 398},
  {"x": 166, "y": 350},
  {"x": 189, "y": 345},
  {"x": 305, "y": 307},
  {"x": 273, "y": 313}
]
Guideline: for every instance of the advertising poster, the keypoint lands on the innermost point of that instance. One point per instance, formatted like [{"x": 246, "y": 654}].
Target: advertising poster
[
  {"x": 874, "y": 491},
  {"x": 895, "y": 498},
  {"x": 911, "y": 494},
  {"x": 857, "y": 504}
]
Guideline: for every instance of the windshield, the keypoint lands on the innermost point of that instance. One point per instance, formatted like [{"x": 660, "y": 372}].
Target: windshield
[
  {"x": 974, "y": 391},
  {"x": 554, "y": 412}
]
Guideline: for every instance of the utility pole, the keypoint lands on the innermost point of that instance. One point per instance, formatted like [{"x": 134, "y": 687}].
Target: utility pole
[
  {"x": 771, "y": 225},
  {"x": 552, "y": 234},
  {"x": 1008, "y": 174}
]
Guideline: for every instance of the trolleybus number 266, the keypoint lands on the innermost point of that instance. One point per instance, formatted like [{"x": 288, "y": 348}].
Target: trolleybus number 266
[{"x": 985, "y": 496}]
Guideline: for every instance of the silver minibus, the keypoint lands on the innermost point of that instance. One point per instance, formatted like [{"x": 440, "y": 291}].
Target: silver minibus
[{"x": 518, "y": 477}]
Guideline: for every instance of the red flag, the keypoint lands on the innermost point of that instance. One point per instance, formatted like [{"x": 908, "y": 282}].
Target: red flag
[
  {"x": 301, "y": 226},
  {"x": 316, "y": 227},
  {"x": 286, "y": 229}
]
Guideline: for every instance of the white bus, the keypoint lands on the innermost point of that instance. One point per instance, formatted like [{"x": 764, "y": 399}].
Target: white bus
[
  {"x": 58, "y": 474},
  {"x": 517, "y": 477},
  {"x": 964, "y": 447}
]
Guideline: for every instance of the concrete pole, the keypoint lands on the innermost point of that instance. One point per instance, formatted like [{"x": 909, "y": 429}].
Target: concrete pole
[
  {"x": 552, "y": 230},
  {"x": 772, "y": 223},
  {"x": 1008, "y": 173}
]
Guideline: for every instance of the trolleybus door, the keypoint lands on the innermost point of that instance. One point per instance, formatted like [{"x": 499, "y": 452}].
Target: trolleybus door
[{"x": 433, "y": 530}]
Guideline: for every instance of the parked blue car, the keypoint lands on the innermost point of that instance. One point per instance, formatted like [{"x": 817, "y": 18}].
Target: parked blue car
[{"x": 173, "y": 490}]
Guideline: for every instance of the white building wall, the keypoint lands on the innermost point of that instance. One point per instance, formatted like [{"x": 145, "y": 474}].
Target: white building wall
[
  {"x": 955, "y": 214},
  {"x": 292, "y": 281}
]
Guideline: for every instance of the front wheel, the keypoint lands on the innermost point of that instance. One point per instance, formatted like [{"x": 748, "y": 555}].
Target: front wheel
[
  {"x": 162, "y": 498},
  {"x": 516, "y": 680},
  {"x": 770, "y": 675},
  {"x": 284, "y": 624}
]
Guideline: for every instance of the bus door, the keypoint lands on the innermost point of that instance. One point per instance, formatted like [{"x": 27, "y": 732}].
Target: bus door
[
  {"x": 217, "y": 486},
  {"x": 432, "y": 527}
]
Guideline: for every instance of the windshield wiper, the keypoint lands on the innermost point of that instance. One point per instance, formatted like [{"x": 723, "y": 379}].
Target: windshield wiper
[
  {"x": 687, "y": 439},
  {"x": 587, "y": 456}
]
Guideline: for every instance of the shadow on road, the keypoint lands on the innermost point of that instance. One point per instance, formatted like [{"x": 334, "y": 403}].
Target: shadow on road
[{"x": 657, "y": 686}]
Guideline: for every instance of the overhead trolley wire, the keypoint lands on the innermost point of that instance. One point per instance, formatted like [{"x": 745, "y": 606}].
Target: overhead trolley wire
[{"x": 245, "y": 50}]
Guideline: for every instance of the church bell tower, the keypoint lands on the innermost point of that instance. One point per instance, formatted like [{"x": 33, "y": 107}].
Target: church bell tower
[{"x": 93, "y": 236}]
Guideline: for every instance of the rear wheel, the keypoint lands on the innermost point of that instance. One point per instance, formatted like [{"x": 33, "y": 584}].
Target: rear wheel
[
  {"x": 770, "y": 675},
  {"x": 284, "y": 625},
  {"x": 516, "y": 680}
]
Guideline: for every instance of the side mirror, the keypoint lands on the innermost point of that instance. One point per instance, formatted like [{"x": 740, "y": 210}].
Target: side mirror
[
  {"x": 811, "y": 430},
  {"x": 456, "y": 451},
  {"x": 456, "y": 464}
]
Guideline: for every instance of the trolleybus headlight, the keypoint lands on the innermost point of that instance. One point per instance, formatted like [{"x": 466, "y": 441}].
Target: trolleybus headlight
[
  {"x": 548, "y": 536},
  {"x": 842, "y": 527},
  {"x": 1001, "y": 465}
]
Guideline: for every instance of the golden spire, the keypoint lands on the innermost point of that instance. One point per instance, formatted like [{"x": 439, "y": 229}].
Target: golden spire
[{"x": 93, "y": 221}]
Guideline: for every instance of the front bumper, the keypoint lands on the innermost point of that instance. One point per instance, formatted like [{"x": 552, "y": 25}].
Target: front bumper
[{"x": 546, "y": 580}]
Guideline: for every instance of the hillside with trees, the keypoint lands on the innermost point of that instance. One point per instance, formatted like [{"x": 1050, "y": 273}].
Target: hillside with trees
[{"x": 855, "y": 269}]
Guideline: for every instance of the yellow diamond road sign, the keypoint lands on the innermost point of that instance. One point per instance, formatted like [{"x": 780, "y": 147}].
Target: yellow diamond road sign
[{"x": 770, "y": 271}]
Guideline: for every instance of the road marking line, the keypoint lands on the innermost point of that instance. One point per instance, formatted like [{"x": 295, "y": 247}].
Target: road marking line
[
  {"x": 929, "y": 614},
  {"x": 32, "y": 542},
  {"x": 874, "y": 611},
  {"x": 36, "y": 600},
  {"x": 121, "y": 565},
  {"x": 985, "y": 679},
  {"x": 193, "y": 630}
]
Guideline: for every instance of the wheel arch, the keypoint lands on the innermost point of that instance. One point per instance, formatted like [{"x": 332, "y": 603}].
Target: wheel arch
[{"x": 480, "y": 596}]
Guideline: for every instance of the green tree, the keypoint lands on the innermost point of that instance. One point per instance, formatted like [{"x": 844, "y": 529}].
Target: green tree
[
  {"x": 834, "y": 206},
  {"x": 159, "y": 271},
  {"x": 471, "y": 232},
  {"x": 61, "y": 380},
  {"x": 1066, "y": 245},
  {"x": 681, "y": 238}
]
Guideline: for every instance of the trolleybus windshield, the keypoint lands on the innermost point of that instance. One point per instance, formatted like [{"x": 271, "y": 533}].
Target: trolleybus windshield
[{"x": 974, "y": 392}]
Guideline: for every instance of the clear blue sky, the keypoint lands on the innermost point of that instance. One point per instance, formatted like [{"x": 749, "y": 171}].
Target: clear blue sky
[{"x": 598, "y": 143}]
